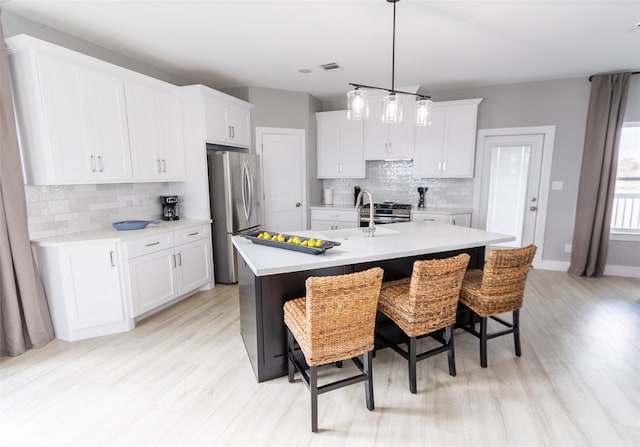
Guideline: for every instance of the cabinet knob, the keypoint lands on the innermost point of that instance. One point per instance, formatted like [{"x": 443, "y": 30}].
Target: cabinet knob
[{"x": 297, "y": 204}]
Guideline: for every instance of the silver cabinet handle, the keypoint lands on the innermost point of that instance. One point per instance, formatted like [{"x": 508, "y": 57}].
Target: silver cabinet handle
[
  {"x": 101, "y": 169},
  {"x": 533, "y": 208},
  {"x": 179, "y": 258},
  {"x": 430, "y": 220},
  {"x": 159, "y": 165},
  {"x": 453, "y": 221},
  {"x": 173, "y": 257},
  {"x": 151, "y": 244},
  {"x": 193, "y": 234},
  {"x": 444, "y": 165},
  {"x": 337, "y": 167},
  {"x": 113, "y": 262},
  {"x": 93, "y": 163},
  {"x": 164, "y": 165}
]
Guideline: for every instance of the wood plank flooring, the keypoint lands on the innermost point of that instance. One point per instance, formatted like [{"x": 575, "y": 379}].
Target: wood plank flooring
[{"x": 182, "y": 377}]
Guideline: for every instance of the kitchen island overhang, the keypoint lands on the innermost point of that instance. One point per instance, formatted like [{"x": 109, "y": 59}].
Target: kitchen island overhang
[{"x": 270, "y": 276}]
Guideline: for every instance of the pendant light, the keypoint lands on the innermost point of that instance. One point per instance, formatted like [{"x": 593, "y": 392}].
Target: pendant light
[{"x": 357, "y": 103}]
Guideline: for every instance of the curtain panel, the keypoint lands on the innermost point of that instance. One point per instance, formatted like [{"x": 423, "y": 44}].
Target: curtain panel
[
  {"x": 25, "y": 321},
  {"x": 598, "y": 175}
]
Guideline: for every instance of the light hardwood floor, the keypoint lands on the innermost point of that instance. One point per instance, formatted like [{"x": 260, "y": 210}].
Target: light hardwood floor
[{"x": 182, "y": 377}]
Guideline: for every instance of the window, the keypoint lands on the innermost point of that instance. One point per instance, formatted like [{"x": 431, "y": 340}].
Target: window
[{"x": 625, "y": 217}]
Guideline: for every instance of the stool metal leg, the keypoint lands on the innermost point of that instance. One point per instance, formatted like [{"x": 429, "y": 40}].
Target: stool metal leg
[
  {"x": 290, "y": 366},
  {"x": 411, "y": 343},
  {"x": 448, "y": 338},
  {"x": 483, "y": 342},
  {"x": 313, "y": 387},
  {"x": 368, "y": 384},
  {"x": 516, "y": 331}
]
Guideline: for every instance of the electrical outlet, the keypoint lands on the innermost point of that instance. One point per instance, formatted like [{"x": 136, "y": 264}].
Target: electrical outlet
[{"x": 567, "y": 248}]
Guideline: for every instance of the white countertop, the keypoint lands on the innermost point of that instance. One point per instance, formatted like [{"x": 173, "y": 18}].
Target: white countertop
[
  {"x": 112, "y": 234},
  {"x": 391, "y": 241}
]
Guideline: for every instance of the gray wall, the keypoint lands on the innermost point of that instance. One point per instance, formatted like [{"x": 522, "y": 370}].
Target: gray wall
[
  {"x": 562, "y": 103},
  {"x": 291, "y": 110},
  {"x": 13, "y": 24}
]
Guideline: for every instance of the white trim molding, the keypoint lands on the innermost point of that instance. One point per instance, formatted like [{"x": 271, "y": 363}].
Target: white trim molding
[{"x": 609, "y": 270}]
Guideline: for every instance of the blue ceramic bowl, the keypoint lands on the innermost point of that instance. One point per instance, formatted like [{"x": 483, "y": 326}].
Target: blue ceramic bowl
[{"x": 133, "y": 224}]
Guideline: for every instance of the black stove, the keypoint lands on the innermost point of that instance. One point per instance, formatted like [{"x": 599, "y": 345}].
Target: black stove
[{"x": 385, "y": 212}]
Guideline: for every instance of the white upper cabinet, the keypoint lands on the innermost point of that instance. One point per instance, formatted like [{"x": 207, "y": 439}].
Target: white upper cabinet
[
  {"x": 85, "y": 121},
  {"x": 446, "y": 149},
  {"x": 389, "y": 141},
  {"x": 340, "y": 146},
  {"x": 157, "y": 147},
  {"x": 227, "y": 119},
  {"x": 72, "y": 119}
]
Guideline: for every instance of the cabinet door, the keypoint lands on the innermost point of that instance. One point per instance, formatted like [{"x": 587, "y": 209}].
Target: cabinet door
[
  {"x": 239, "y": 124},
  {"x": 97, "y": 296},
  {"x": 328, "y": 130},
  {"x": 152, "y": 279},
  {"x": 429, "y": 144},
  {"x": 322, "y": 225},
  {"x": 462, "y": 220},
  {"x": 155, "y": 129},
  {"x": 216, "y": 130},
  {"x": 351, "y": 148},
  {"x": 62, "y": 88},
  {"x": 194, "y": 265},
  {"x": 109, "y": 135},
  {"x": 460, "y": 141}
]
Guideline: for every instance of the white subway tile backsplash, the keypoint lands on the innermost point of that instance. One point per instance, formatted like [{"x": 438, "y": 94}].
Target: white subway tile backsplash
[
  {"x": 60, "y": 210},
  {"x": 394, "y": 181}
]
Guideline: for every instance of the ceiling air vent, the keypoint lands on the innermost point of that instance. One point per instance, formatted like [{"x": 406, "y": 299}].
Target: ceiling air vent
[{"x": 331, "y": 66}]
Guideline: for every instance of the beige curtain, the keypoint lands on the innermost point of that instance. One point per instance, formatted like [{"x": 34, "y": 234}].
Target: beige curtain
[
  {"x": 25, "y": 321},
  {"x": 598, "y": 176}
]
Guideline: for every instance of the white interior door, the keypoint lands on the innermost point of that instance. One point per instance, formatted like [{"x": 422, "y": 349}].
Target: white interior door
[
  {"x": 283, "y": 178},
  {"x": 512, "y": 183}
]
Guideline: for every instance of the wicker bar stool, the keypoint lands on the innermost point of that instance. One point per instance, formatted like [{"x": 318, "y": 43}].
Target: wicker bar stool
[
  {"x": 334, "y": 322},
  {"x": 497, "y": 289},
  {"x": 423, "y": 305}
]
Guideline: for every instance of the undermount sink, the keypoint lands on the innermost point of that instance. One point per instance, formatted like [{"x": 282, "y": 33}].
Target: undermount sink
[{"x": 356, "y": 233}]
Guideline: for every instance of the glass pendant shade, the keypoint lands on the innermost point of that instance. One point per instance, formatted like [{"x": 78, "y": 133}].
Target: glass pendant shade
[
  {"x": 391, "y": 109},
  {"x": 423, "y": 112},
  {"x": 357, "y": 105}
]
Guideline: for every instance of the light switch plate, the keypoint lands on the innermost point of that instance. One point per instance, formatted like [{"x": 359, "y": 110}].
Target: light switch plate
[{"x": 557, "y": 185}]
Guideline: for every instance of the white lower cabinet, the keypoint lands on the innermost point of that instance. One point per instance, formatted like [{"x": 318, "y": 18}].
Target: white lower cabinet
[
  {"x": 333, "y": 219},
  {"x": 83, "y": 284},
  {"x": 158, "y": 275},
  {"x": 99, "y": 284}
]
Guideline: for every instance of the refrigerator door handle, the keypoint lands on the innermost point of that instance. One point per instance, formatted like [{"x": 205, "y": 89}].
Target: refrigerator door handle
[{"x": 246, "y": 190}]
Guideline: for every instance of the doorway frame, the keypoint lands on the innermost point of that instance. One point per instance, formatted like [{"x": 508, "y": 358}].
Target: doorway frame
[
  {"x": 548, "y": 145},
  {"x": 260, "y": 131}
]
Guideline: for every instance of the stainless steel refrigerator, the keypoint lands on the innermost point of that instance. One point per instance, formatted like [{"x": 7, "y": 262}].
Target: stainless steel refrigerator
[{"x": 235, "y": 205}]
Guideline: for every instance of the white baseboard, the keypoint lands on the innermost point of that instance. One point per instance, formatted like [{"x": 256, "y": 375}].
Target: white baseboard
[
  {"x": 560, "y": 266},
  {"x": 622, "y": 270},
  {"x": 611, "y": 270}
]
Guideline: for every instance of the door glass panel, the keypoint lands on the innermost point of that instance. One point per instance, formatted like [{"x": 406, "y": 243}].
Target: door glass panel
[{"x": 508, "y": 191}]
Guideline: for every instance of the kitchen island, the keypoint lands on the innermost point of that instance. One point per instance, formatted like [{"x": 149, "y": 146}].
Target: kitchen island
[{"x": 270, "y": 276}]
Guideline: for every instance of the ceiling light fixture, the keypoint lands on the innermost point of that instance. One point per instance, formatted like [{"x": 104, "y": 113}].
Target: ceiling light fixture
[{"x": 358, "y": 105}]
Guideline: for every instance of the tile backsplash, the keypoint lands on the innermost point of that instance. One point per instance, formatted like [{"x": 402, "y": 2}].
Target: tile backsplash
[
  {"x": 61, "y": 210},
  {"x": 394, "y": 181}
]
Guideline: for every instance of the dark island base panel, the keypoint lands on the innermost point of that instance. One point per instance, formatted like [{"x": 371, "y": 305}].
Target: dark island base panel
[{"x": 262, "y": 298}]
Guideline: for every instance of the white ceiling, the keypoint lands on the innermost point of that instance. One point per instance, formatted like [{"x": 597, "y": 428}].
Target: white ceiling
[{"x": 441, "y": 44}]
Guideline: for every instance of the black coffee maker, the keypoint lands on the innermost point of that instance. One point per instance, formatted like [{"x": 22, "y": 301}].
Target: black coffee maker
[{"x": 169, "y": 207}]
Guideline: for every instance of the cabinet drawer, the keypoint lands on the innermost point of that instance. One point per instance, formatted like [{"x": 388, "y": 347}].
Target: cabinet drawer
[
  {"x": 150, "y": 244},
  {"x": 334, "y": 216},
  {"x": 443, "y": 218},
  {"x": 191, "y": 234}
]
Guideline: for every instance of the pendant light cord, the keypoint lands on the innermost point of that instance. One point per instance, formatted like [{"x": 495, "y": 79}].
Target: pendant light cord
[{"x": 393, "y": 52}]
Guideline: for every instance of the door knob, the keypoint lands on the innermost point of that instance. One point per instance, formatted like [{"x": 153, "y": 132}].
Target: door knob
[
  {"x": 533, "y": 208},
  {"x": 297, "y": 204}
]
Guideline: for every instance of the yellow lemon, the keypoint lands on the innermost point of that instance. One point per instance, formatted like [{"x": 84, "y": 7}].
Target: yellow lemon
[
  {"x": 281, "y": 238},
  {"x": 305, "y": 243},
  {"x": 274, "y": 238},
  {"x": 318, "y": 243}
]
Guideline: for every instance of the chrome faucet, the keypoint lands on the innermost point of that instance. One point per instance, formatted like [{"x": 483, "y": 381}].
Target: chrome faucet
[{"x": 371, "y": 229}]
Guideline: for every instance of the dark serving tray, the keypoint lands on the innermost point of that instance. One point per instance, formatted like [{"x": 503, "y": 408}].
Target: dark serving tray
[{"x": 289, "y": 246}]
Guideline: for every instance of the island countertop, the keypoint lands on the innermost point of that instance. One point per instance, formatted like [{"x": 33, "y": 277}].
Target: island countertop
[{"x": 390, "y": 241}]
